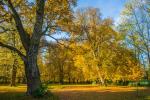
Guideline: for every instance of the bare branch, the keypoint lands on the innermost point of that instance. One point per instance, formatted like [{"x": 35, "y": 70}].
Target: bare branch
[
  {"x": 53, "y": 38},
  {"x": 57, "y": 40}
]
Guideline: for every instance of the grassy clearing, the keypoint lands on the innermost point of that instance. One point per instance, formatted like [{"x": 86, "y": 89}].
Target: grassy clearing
[{"x": 78, "y": 92}]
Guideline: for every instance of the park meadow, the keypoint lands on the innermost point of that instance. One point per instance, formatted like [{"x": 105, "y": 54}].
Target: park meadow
[{"x": 74, "y": 50}]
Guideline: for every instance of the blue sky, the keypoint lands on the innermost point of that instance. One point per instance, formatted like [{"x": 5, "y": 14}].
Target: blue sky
[{"x": 108, "y": 8}]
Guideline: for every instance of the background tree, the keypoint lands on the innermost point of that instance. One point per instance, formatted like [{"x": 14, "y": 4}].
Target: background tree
[{"x": 135, "y": 23}]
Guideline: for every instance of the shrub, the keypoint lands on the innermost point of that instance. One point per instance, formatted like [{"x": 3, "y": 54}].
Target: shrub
[
  {"x": 144, "y": 83},
  {"x": 41, "y": 91},
  {"x": 140, "y": 83},
  {"x": 134, "y": 84}
]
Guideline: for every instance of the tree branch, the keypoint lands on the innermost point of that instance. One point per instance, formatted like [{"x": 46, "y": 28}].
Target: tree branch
[
  {"x": 3, "y": 29},
  {"x": 2, "y": 21},
  {"x": 25, "y": 38},
  {"x": 57, "y": 40},
  {"x": 13, "y": 49},
  {"x": 1, "y": 2},
  {"x": 39, "y": 19}
]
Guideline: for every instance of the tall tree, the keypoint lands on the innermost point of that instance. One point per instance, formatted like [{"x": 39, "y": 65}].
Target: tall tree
[
  {"x": 135, "y": 23},
  {"x": 21, "y": 12},
  {"x": 98, "y": 34}
]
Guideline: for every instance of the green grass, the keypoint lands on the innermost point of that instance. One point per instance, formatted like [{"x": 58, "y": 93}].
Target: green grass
[
  {"x": 147, "y": 98},
  {"x": 58, "y": 86}
]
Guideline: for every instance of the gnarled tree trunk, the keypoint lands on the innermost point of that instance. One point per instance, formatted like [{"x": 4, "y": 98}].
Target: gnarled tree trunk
[
  {"x": 31, "y": 67},
  {"x": 32, "y": 72}
]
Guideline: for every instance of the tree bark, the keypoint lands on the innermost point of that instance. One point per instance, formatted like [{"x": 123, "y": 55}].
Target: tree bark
[
  {"x": 31, "y": 68},
  {"x": 32, "y": 74}
]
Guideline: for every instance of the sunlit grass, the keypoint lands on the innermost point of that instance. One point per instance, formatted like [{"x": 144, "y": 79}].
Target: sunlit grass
[
  {"x": 147, "y": 98},
  {"x": 78, "y": 92}
]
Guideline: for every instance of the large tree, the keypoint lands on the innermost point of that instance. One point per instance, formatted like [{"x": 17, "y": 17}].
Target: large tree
[{"x": 32, "y": 20}]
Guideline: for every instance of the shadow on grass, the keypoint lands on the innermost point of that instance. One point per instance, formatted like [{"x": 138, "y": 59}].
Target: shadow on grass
[
  {"x": 106, "y": 94},
  {"x": 22, "y": 96}
]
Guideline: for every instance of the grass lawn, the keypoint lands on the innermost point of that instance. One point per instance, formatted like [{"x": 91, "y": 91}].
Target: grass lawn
[{"x": 78, "y": 92}]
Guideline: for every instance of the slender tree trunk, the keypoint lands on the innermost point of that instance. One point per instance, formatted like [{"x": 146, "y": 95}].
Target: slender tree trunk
[
  {"x": 15, "y": 63},
  {"x": 61, "y": 75},
  {"x": 148, "y": 56},
  {"x": 69, "y": 80},
  {"x": 102, "y": 80},
  {"x": 14, "y": 73}
]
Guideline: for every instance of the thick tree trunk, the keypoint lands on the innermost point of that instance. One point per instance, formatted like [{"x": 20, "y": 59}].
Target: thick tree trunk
[
  {"x": 32, "y": 71},
  {"x": 31, "y": 67},
  {"x": 33, "y": 78}
]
